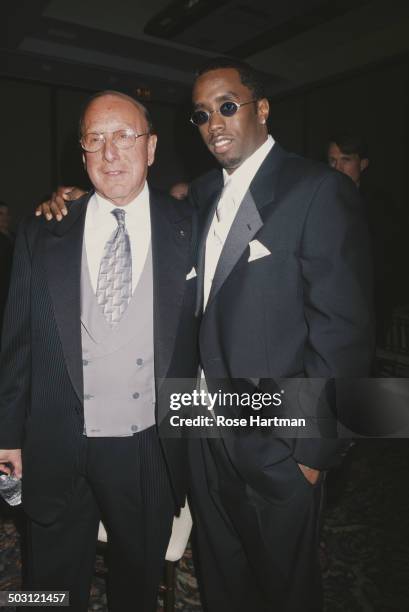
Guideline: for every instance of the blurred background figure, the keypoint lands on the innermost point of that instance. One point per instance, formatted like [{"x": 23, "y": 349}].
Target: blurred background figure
[
  {"x": 348, "y": 153},
  {"x": 6, "y": 255},
  {"x": 179, "y": 190}
]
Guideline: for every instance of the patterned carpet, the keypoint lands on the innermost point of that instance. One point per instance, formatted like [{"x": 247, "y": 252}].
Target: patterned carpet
[{"x": 365, "y": 540}]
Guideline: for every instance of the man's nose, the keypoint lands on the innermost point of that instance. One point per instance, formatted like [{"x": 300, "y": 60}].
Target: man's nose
[
  {"x": 216, "y": 121},
  {"x": 110, "y": 150}
]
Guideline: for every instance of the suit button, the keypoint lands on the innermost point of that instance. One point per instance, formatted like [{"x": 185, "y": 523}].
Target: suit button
[
  {"x": 134, "y": 428},
  {"x": 88, "y": 396},
  {"x": 85, "y": 362},
  {"x": 139, "y": 361},
  {"x": 135, "y": 395}
]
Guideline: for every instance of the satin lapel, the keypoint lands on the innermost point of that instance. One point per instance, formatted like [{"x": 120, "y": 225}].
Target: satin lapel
[
  {"x": 254, "y": 209},
  {"x": 171, "y": 240},
  {"x": 258, "y": 203},
  {"x": 246, "y": 224},
  {"x": 63, "y": 265}
]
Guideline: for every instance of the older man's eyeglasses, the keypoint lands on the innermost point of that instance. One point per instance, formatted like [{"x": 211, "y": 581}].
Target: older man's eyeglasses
[
  {"x": 123, "y": 139},
  {"x": 227, "y": 109}
]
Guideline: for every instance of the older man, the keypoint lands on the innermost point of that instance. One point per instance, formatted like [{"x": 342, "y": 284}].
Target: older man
[{"x": 99, "y": 310}]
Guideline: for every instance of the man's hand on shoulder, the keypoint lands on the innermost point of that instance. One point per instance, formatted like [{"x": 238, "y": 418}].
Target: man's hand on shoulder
[
  {"x": 11, "y": 457},
  {"x": 55, "y": 207},
  {"x": 310, "y": 474}
]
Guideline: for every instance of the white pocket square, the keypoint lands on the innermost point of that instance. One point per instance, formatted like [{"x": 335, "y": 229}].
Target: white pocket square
[
  {"x": 191, "y": 274},
  {"x": 257, "y": 250}
]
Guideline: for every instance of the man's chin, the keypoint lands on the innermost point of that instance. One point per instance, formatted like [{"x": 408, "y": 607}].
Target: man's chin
[
  {"x": 227, "y": 162},
  {"x": 116, "y": 196}
]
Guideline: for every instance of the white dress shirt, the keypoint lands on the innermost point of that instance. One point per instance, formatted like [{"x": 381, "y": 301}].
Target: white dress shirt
[
  {"x": 235, "y": 187},
  {"x": 100, "y": 224}
]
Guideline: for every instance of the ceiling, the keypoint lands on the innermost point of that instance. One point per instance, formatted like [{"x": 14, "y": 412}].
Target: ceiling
[{"x": 153, "y": 47}]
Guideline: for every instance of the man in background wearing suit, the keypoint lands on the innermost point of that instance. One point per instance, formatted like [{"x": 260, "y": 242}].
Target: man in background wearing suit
[
  {"x": 348, "y": 153},
  {"x": 99, "y": 311},
  {"x": 284, "y": 288}
]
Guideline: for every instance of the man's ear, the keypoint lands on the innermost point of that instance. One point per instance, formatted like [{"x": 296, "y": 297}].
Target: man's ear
[
  {"x": 364, "y": 163},
  {"x": 84, "y": 161},
  {"x": 152, "y": 140},
  {"x": 263, "y": 110}
]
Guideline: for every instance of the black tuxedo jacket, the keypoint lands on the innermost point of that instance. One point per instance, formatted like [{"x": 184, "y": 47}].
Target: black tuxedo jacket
[
  {"x": 301, "y": 309},
  {"x": 41, "y": 381}
]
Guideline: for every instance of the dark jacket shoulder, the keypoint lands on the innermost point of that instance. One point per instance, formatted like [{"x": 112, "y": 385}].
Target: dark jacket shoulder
[
  {"x": 203, "y": 188},
  {"x": 175, "y": 210},
  {"x": 301, "y": 169}
]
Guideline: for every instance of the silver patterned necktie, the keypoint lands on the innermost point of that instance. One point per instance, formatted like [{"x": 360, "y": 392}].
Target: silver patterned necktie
[{"x": 114, "y": 288}]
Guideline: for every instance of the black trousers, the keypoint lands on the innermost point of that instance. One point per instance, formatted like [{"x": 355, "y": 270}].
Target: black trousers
[
  {"x": 124, "y": 483},
  {"x": 254, "y": 551}
]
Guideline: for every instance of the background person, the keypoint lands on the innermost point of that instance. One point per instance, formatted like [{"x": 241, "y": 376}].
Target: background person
[
  {"x": 180, "y": 190},
  {"x": 348, "y": 153}
]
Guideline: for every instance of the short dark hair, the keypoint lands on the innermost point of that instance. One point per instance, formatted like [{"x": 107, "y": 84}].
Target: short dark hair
[
  {"x": 350, "y": 143},
  {"x": 4, "y": 205},
  {"x": 249, "y": 77},
  {"x": 119, "y": 94}
]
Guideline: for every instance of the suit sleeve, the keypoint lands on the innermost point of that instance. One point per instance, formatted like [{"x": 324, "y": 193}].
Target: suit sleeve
[
  {"x": 336, "y": 269},
  {"x": 15, "y": 357}
]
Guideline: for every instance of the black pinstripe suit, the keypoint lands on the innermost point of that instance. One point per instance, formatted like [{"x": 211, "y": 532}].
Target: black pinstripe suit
[
  {"x": 6, "y": 254},
  {"x": 41, "y": 384}
]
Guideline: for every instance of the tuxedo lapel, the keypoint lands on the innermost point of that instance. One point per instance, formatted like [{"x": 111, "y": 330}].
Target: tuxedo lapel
[
  {"x": 256, "y": 205},
  {"x": 171, "y": 235},
  {"x": 63, "y": 265},
  {"x": 245, "y": 225}
]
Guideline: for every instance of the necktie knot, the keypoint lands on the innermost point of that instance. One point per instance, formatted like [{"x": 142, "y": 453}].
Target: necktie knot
[{"x": 119, "y": 215}]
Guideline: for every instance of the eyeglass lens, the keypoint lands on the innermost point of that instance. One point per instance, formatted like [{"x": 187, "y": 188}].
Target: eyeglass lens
[
  {"x": 227, "y": 109},
  {"x": 123, "y": 139}
]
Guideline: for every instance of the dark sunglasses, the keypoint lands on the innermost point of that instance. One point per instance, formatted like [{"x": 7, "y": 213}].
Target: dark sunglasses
[{"x": 227, "y": 109}]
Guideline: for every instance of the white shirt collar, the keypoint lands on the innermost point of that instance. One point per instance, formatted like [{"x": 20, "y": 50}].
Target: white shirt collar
[
  {"x": 137, "y": 207},
  {"x": 241, "y": 178},
  {"x": 100, "y": 223}
]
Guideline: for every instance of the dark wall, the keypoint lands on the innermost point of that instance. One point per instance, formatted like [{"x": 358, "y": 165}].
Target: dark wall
[
  {"x": 40, "y": 148},
  {"x": 374, "y": 103},
  {"x": 40, "y": 142}
]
